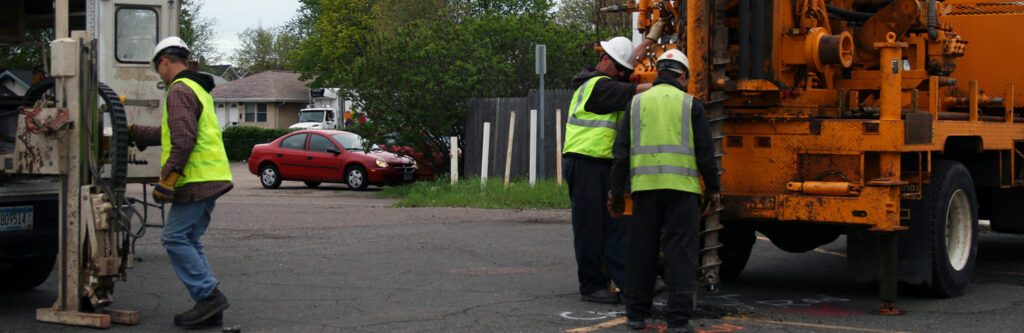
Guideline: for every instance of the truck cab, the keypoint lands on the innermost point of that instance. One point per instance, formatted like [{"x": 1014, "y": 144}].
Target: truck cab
[{"x": 317, "y": 118}]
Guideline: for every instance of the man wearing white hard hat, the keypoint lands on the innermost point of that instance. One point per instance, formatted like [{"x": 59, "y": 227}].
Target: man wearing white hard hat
[
  {"x": 194, "y": 173},
  {"x": 602, "y": 93},
  {"x": 662, "y": 149}
]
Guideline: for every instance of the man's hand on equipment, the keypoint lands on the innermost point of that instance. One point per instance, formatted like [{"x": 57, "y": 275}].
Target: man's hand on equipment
[
  {"x": 616, "y": 204},
  {"x": 163, "y": 192},
  {"x": 712, "y": 201}
]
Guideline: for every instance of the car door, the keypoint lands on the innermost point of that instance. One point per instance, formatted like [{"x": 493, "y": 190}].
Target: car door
[
  {"x": 323, "y": 159},
  {"x": 291, "y": 157}
]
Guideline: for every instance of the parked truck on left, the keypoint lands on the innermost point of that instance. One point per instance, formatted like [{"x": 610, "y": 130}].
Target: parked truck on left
[{"x": 65, "y": 154}]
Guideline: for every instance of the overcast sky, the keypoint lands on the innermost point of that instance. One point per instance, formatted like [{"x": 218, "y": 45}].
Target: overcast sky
[{"x": 231, "y": 17}]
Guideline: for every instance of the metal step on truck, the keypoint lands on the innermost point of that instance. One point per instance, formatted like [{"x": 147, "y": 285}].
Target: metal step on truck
[{"x": 65, "y": 155}]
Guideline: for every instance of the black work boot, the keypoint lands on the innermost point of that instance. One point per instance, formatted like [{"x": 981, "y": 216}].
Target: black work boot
[
  {"x": 601, "y": 296},
  {"x": 685, "y": 329},
  {"x": 210, "y": 307},
  {"x": 636, "y": 324}
]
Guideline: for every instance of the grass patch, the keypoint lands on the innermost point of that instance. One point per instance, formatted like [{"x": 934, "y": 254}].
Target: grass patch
[{"x": 469, "y": 193}]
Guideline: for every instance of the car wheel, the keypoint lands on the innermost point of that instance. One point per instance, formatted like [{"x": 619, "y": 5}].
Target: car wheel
[
  {"x": 269, "y": 176},
  {"x": 312, "y": 184},
  {"x": 356, "y": 178}
]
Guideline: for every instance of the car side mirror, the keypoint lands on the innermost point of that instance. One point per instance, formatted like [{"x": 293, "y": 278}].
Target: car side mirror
[{"x": 334, "y": 151}]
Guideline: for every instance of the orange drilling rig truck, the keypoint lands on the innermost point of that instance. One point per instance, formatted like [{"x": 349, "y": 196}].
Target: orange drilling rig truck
[{"x": 890, "y": 121}]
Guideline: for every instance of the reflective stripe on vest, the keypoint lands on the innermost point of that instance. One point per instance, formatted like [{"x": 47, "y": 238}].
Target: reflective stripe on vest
[
  {"x": 588, "y": 133},
  {"x": 208, "y": 161},
  {"x": 661, "y": 154}
]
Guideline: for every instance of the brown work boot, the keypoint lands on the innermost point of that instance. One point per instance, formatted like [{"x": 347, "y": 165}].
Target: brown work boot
[{"x": 207, "y": 308}]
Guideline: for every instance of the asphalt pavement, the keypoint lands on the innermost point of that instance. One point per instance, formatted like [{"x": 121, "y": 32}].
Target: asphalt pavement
[{"x": 331, "y": 259}]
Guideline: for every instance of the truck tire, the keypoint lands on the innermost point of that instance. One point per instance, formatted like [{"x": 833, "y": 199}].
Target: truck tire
[
  {"x": 954, "y": 227},
  {"x": 27, "y": 274},
  {"x": 737, "y": 241}
]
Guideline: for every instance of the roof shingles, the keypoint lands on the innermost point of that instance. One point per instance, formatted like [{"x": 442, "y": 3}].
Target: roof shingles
[{"x": 281, "y": 86}]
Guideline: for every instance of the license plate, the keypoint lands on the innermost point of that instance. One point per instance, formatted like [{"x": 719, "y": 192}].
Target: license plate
[
  {"x": 407, "y": 176},
  {"x": 15, "y": 218}
]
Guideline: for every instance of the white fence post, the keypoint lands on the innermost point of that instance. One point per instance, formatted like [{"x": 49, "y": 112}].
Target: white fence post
[
  {"x": 533, "y": 147},
  {"x": 485, "y": 157},
  {"x": 508, "y": 153},
  {"x": 455, "y": 159}
]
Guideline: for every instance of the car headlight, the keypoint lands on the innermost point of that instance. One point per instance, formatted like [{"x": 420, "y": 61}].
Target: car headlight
[
  {"x": 415, "y": 165},
  {"x": 381, "y": 163}
]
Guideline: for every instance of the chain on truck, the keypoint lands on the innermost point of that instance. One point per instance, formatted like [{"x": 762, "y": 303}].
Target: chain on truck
[
  {"x": 65, "y": 152},
  {"x": 870, "y": 118}
]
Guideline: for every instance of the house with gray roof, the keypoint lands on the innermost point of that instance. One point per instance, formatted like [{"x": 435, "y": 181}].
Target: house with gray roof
[{"x": 269, "y": 99}]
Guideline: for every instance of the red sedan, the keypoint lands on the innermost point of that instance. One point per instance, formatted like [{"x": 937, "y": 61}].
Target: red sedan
[{"x": 318, "y": 156}]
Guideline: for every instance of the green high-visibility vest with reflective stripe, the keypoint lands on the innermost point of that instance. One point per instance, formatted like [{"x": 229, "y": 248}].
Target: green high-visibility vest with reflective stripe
[
  {"x": 208, "y": 161},
  {"x": 661, "y": 154},
  {"x": 588, "y": 133}
]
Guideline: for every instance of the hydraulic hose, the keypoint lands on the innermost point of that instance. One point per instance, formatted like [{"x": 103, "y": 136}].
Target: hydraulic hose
[{"x": 849, "y": 15}]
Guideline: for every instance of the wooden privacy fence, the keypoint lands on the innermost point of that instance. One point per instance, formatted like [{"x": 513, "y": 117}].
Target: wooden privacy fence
[{"x": 497, "y": 111}]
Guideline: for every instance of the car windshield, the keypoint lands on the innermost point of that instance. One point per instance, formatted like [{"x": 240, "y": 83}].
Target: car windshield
[
  {"x": 349, "y": 141},
  {"x": 311, "y": 116}
]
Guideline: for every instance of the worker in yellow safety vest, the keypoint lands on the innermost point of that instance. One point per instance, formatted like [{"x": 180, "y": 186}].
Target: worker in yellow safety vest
[
  {"x": 194, "y": 173},
  {"x": 663, "y": 148},
  {"x": 602, "y": 93}
]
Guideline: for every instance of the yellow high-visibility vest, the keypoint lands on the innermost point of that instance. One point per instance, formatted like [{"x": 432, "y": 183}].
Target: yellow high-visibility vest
[
  {"x": 661, "y": 153},
  {"x": 208, "y": 161},
  {"x": 588, "y": 133}
]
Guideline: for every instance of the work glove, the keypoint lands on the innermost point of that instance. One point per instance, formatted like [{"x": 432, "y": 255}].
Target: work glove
[
  {"x": 163, "y": 192},
  {"x": 655, "y": 32},
  {"x": 616, "y": 204},
  {"x": 712, "y": 201}
]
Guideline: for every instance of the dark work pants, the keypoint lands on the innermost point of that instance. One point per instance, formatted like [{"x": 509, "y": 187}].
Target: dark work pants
[
  {"x": 676, "y": 212},
  {"x": 598, "y": 238}
]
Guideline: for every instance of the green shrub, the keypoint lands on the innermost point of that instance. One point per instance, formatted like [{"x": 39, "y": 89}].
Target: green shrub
[{"x": 239, "y": 140}]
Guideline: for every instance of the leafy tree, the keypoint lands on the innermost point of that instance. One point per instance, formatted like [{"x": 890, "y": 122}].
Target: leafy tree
[
  {"x": 304, "y": 21},
  {"x": 340, "y": 33},
  {"x": 29, "y": 54},
  {"x": 264, "y": 49},
  {"x": 410, "y": 66},
  {"x": 197, "y": 31},
  {"x": 585, "y": 14}
]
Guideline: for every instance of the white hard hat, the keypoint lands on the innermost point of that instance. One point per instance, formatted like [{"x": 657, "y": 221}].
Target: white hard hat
[
  {"x": 620, "y": 49},
  {"x": 171, "y": 45},
  {"x": 674, "y": 60}
]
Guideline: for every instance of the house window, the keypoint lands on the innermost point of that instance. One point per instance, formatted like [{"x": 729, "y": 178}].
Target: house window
[
  {"x": 136, "y": 32},
  {"x": 255, "y": 113}
]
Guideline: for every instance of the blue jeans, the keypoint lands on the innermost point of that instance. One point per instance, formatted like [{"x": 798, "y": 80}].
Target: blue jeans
[{"x": 185, "y": 224}]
